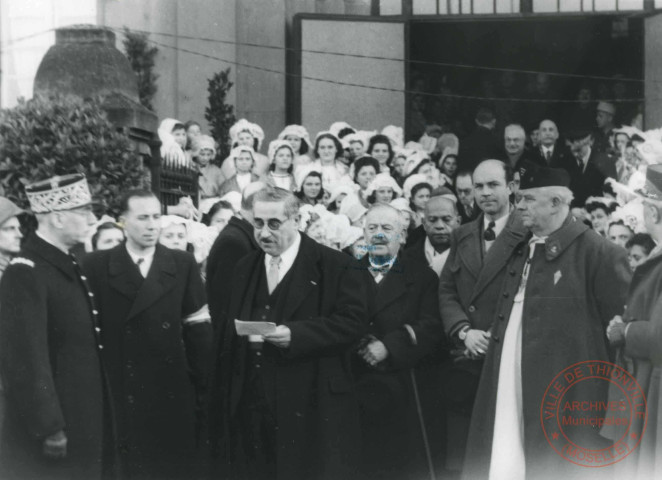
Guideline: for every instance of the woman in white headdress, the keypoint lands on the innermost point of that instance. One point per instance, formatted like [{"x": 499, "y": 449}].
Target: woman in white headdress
[
  {"x": 243, "y": 158},
  {"x": 245, "y": 133},
  {"x": 328, "y": 154},
  {"x": 298, "y": 138},
  {"x": 281, "y": 156}
]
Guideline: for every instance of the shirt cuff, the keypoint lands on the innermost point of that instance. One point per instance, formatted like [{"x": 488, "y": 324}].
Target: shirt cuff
[{"x": 201, "y": 316}]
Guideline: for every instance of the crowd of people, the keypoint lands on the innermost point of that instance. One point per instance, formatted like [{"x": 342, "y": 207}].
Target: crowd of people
[{"x": 353, "y": 306}]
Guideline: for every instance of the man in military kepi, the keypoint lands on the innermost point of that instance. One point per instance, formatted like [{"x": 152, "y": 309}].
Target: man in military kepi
[{"x": 50, "y": 344}]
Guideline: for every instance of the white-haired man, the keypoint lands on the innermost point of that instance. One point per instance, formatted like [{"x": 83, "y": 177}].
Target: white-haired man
[
  {"x": 565, "y": 283},
  {"x": 404, "y": 326}
]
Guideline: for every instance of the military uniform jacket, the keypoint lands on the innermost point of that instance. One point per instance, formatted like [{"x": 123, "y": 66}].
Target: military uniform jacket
[
  {"x": 155, "y": 362},
  {"x": 51, "y": 367},
  {"x": 577, "y": 282}
]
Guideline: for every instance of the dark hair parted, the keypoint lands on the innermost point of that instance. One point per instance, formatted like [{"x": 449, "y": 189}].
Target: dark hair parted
[
  {"x": 336, "y": 142},
  {"x": 134, "y": 193},
  {"x": 365, "y": 162},
  {"x": 300, "y": 193},
  {"x": 644, "y": 240},
  {"x": 380, "y": 139}
]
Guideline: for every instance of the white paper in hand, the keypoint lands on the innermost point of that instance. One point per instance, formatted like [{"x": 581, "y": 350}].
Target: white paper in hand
[{"x": 253, "y": 328}]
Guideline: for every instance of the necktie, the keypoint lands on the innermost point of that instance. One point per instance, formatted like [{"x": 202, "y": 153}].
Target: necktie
[
  {"x": 468, "y": 210},
  {"x": 272, "y": 273},
  {"x": 378, "y": 271},
  {"x": 580, "y": 164},
  {"x": 139, "y": 263},
  {"x": 489, "y": 234},
  {"x": 548, "y": 155}
]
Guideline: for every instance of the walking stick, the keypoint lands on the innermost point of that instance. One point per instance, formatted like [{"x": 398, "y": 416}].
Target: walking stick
[{"x": 421, "y": 420}]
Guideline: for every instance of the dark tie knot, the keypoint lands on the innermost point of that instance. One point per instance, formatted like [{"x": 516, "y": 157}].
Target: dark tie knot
[
  {"x": 489, "y": 234},
  {"x": 140, "y": 261}
]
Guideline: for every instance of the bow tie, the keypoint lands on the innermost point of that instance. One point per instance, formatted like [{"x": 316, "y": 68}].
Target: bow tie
[{"x": 379, "y": 269}]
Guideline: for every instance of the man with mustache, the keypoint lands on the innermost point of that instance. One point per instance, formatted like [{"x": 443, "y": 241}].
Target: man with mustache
[
  {"x": 286, "y": 399},
  {"x": 468, "y": 289},
  {"x": 404, "y": 326}
]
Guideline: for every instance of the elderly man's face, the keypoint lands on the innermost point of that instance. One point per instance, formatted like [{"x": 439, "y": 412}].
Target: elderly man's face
[
  {"x": 274, "y": 231},
  {"x": 536, "y": 208},
  {"x": 514, "y": 140},
  {"x": 439, "y": 220},
  {"x": 383, "y": 232},
  {"x": 548, "y": 133}
]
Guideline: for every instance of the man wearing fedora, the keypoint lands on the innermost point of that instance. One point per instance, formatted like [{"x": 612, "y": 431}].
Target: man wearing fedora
[
  {"x": 638, "y": 334},
  {"x": 565, "y": 284},
  {"x": 51, "y": 344}
]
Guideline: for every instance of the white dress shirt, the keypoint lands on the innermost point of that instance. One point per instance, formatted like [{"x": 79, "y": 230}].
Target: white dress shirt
[
  {"x": 287, "y": 258},
  {"x": 547, "y": 149},
  {"x": 435, "y": 259},
  {"x": 147, "y": 256}
]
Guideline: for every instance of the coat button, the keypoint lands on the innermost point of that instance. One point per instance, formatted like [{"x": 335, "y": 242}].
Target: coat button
[
  {"x": 97, "y": 329},
  {"x": 501, "y": 317},
  {"x": 268, "y": 307},
  {"x": 129, "y": 364},
  {"x": 496, "y": 338},
  {"x": 168, "y": 360},
  {"x": 472, "y": 309},
  {"x": 505, "y": 294},
  {"x": 513, "y": 273},
  {"x": 165, "y": 325},
  {"x": 83, "y": 277},
  {"x": 95, "y": 312},
  {"x": 264, "y": 317},
  {"x": 100, "y": 347},
  {"x": 90, "y": 294},
  {"x": 130, "y": 399}
]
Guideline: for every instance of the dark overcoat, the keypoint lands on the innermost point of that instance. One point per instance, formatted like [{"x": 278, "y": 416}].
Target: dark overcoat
[
  {"x": 51, "y": 367},
  {"x": 234, "y": 242},
  {"x": 392, "y": 437},
  {"x": 325, "y": 308},
  {"x": 577, "y": 282},
  {"x": 155, "y": 362},
  {"x": 470, "y": 281},
  {"x": 641, "y": 355}
]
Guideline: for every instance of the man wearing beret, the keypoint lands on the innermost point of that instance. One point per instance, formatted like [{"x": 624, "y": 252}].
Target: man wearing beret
[
  {"x": 50, "y": 352},
  {"x": 567, "y": 283}
]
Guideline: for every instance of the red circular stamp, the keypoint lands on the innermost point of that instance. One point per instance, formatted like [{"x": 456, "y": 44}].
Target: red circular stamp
[{"x": 575, "y": 409}]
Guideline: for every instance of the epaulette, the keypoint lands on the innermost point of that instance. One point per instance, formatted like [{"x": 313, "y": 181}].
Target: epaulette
[{"x": 21, "y": 260}]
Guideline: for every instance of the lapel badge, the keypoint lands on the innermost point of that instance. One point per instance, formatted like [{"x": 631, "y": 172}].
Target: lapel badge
[{"x": 557, "y": 276}]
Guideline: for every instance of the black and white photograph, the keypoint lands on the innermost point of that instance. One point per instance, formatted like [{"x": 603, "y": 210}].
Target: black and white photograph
[{"x": 330, "y": 239}]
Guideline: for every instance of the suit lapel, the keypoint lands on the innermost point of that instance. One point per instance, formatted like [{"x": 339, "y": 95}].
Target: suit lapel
[
  {"x": 499, "y": 253},
  {"x": 392, "y": 287},
  {"x": 470, "y": 247},
  {"x": 162, "y": 277},
  {"x": 123, "y": 274},
  {"x": 305, "y": 275}
]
